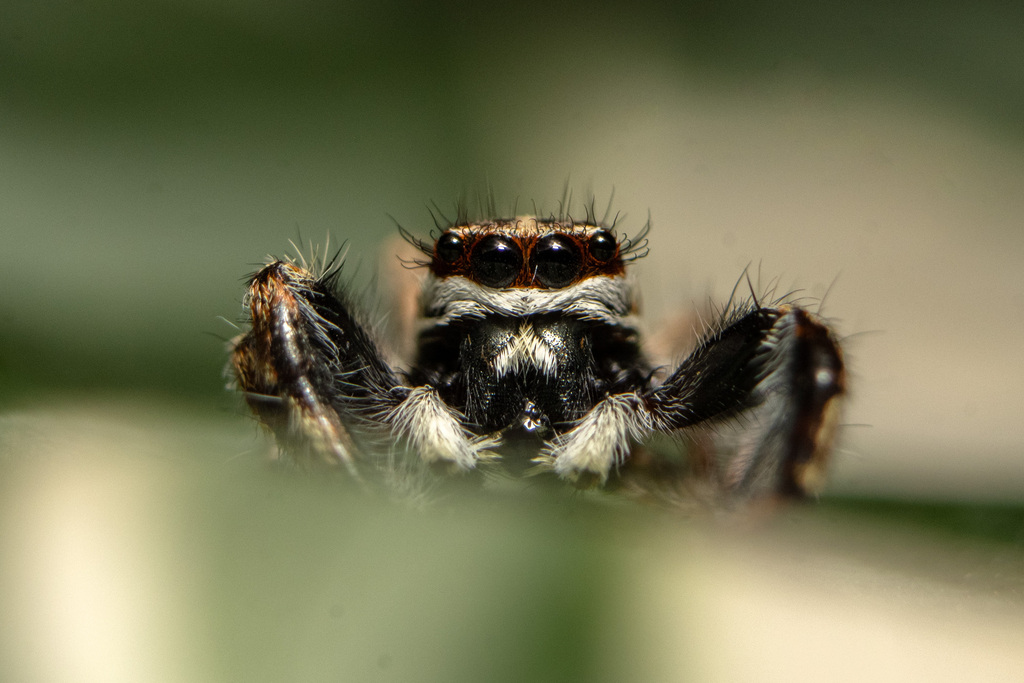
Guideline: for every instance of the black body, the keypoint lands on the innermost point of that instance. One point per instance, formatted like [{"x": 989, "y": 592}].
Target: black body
[{"x": 593, "y": 360}]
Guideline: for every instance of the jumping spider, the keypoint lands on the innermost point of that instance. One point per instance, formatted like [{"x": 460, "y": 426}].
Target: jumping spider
[{"x": 528, "y": 361}]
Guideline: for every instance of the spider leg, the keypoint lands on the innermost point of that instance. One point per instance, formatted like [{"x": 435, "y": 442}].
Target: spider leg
[
  {"x": 314, "y": 375},
  {"x": 778, "y": 372},
  {"x": 778, "y": 369},
  {"x": 289, "y": 361}
]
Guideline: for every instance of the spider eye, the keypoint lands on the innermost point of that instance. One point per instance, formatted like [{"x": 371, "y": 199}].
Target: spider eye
[
  {"x": 556, "y": 261},
  {"x": 602, "y": 246},
  {"x": 449, "y": 247},
  {"x": 496, "y": 261}
]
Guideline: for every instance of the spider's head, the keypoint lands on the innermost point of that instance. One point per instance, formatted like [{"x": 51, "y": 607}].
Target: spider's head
[{"x": 526, "y": 266}]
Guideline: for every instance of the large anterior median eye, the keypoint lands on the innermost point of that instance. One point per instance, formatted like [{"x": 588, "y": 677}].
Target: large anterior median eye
[
  {"x": 496, "y": 261},
  {"x": 556, "y": 261}
]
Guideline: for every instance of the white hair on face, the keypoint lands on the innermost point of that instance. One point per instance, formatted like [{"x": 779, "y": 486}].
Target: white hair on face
[
  {"x": 526, "y": 350},
  {"x": 602, "y": 298}
]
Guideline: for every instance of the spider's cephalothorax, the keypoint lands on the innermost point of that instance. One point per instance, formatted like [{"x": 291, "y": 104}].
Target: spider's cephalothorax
[{"x": 527, "y": 353}]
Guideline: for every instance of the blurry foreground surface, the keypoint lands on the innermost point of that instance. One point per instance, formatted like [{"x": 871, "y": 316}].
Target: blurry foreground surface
[{"x": 141, "y": 544}]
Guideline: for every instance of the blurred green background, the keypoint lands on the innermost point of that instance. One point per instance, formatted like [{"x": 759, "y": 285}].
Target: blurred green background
[{"x": 152, "y": 154}]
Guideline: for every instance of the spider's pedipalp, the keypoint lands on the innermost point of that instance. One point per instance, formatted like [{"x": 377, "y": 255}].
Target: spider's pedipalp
[
  {"x": 600, "y": 441},
  {"x": 435, "y": 430}
]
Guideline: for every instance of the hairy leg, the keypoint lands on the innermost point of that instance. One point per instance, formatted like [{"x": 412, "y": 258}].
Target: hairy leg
[
  {"x": 777, "y": 372},
  {"x": 314, "y": 375}
]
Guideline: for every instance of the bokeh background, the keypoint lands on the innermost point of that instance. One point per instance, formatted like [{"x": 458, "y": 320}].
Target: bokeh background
[{"x": 152, "y": 154}]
